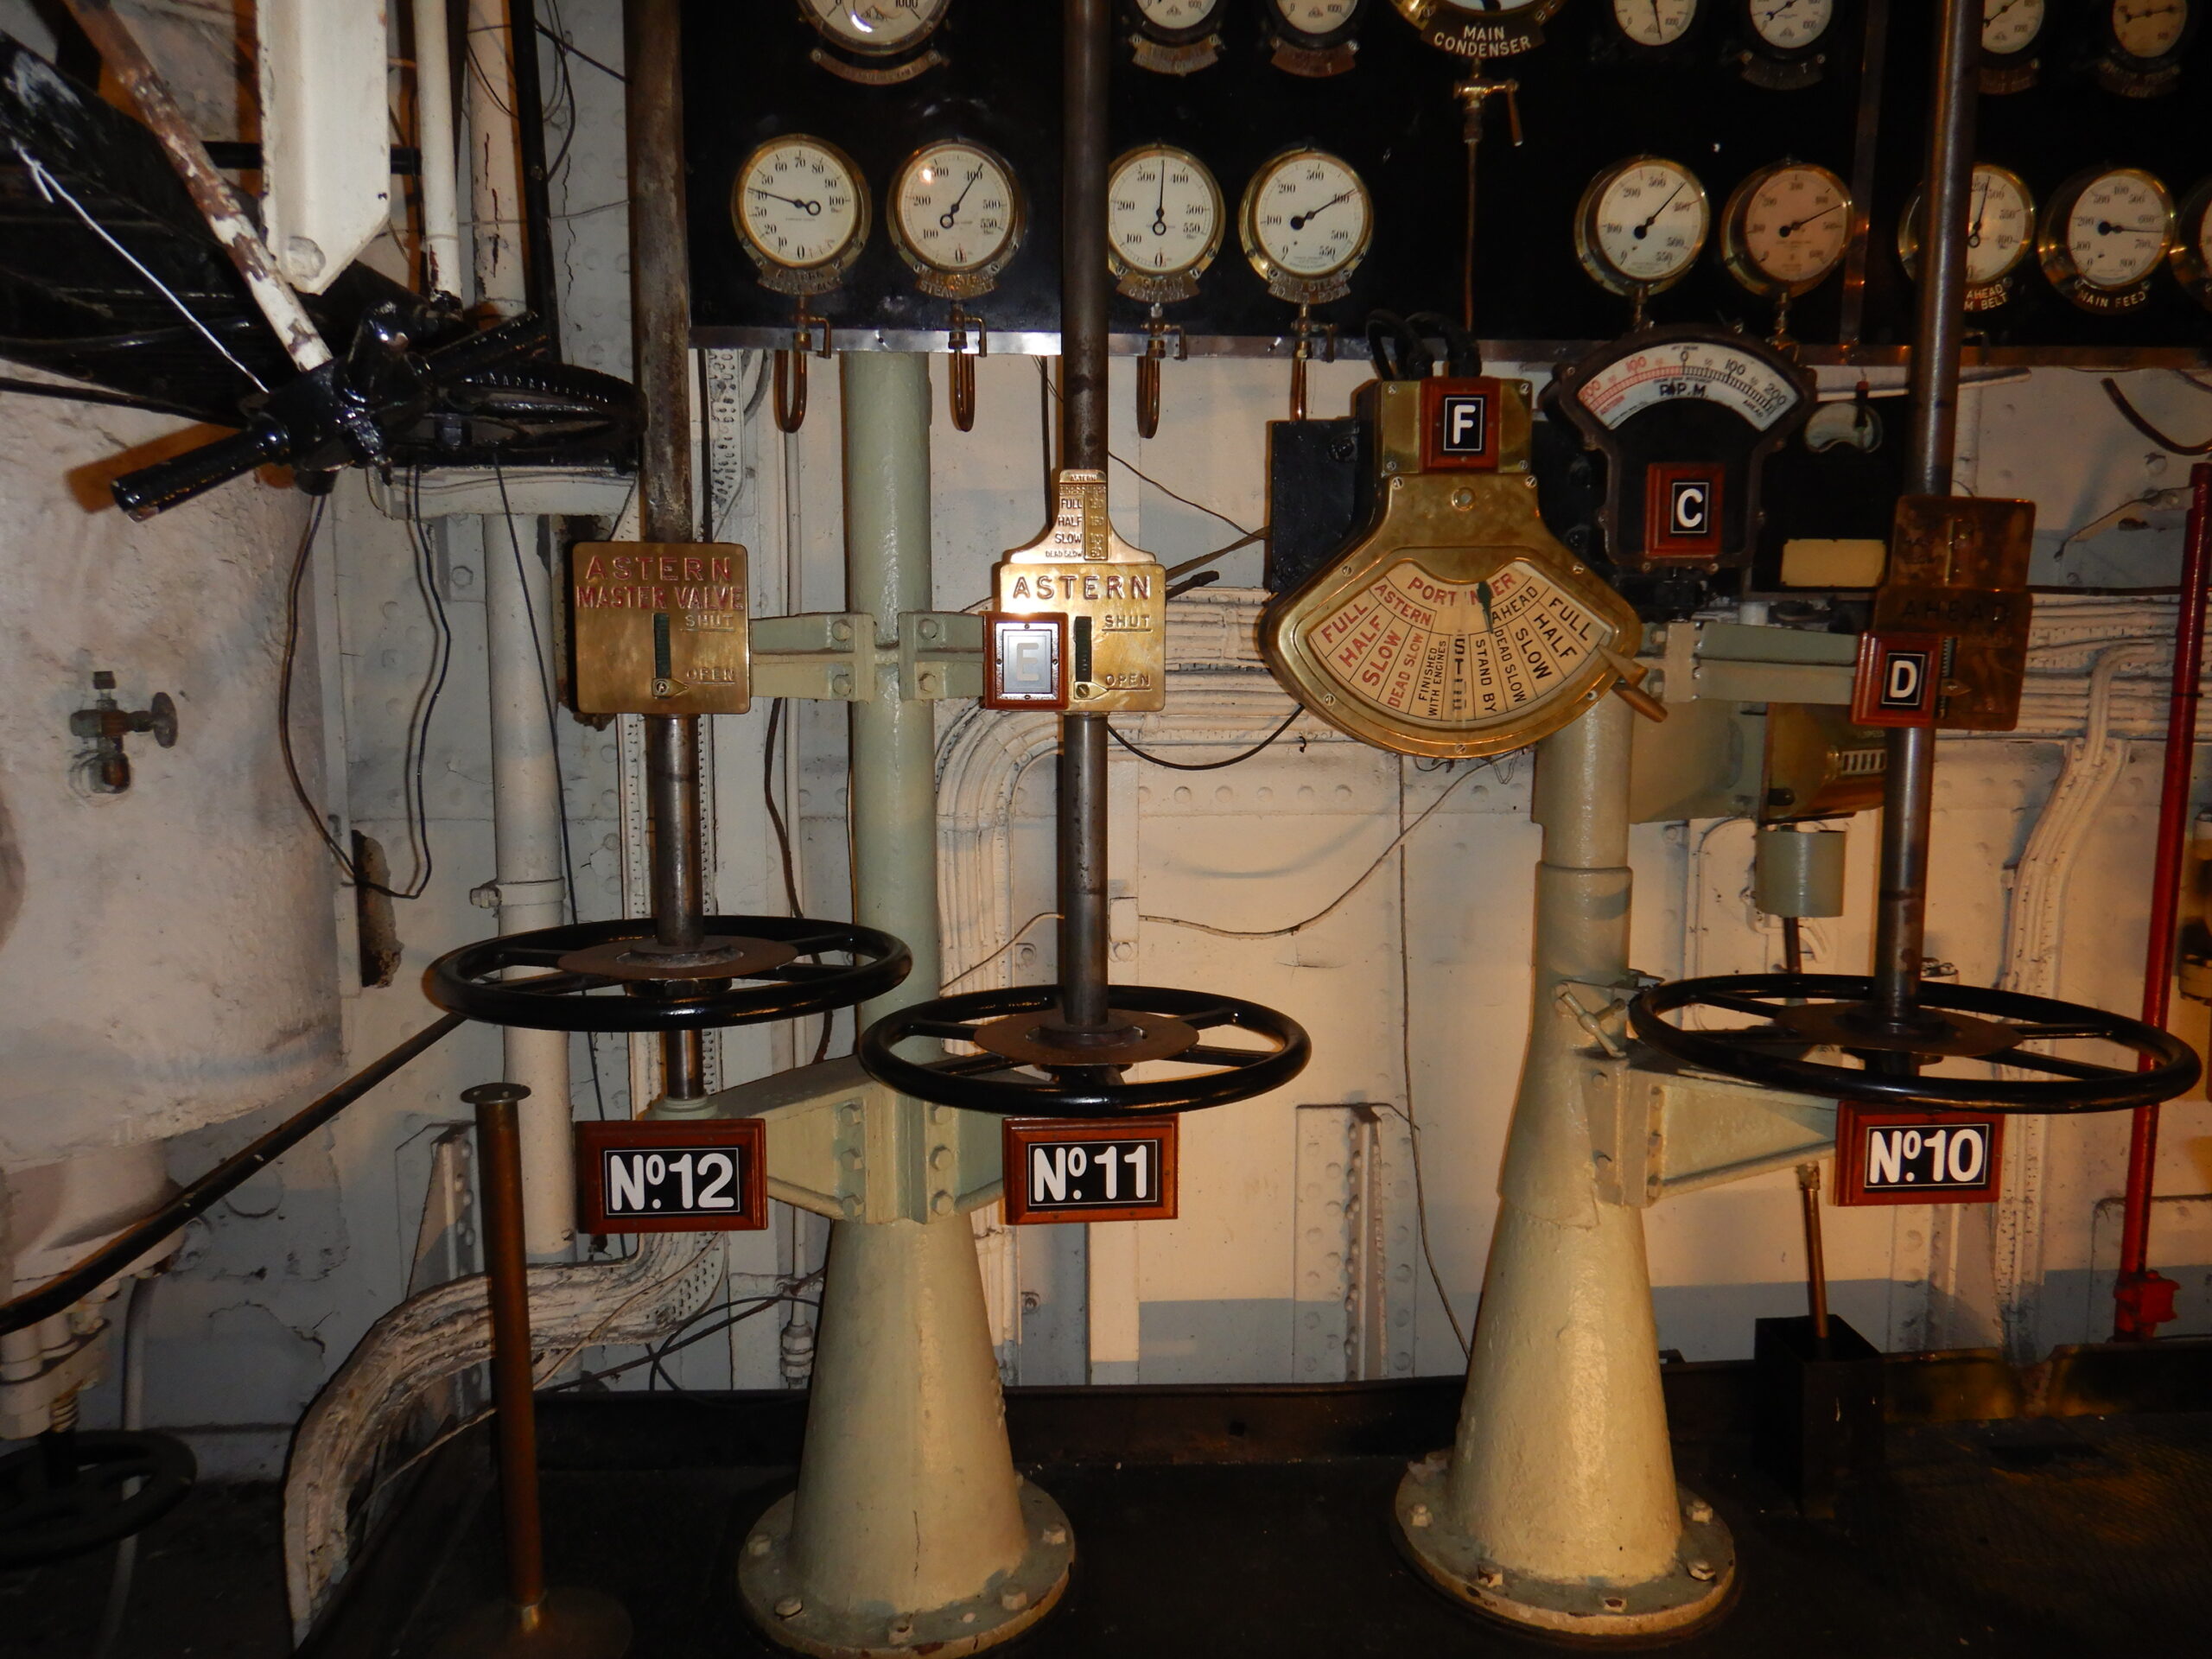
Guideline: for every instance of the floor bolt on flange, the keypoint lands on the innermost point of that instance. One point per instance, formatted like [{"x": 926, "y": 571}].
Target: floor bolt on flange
[
  {"x": 790, "y": 1607},
  {"x": 1013, "y": 1600},
  {"x": 1701, "y": 1571},
  {"x": 1615, "y": 1604},
  {"x": 1418, "y": 1514},
  {"x": 1698, "y": 1510},
  {"x": 1490, "y": 1577},
  {"x": 758, "y": 1544}
]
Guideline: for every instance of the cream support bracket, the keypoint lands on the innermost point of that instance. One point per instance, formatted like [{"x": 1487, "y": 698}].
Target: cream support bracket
[
  {"x": 1735, "y": 662},
  {"x": 836, "y": 656}
]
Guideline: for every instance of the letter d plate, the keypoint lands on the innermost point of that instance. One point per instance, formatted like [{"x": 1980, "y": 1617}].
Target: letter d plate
[{"x": 660, "y": 628}]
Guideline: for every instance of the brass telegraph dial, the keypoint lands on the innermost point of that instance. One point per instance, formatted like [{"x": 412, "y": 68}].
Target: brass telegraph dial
[{"x": 1456, "y": 625}]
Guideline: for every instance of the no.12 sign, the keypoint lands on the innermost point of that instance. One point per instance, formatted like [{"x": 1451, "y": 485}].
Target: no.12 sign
[
  {"x": 1918, "y": 1157},
  {"x": 660, "y": 1176},
  {"x": 1098, "y": 1169}
]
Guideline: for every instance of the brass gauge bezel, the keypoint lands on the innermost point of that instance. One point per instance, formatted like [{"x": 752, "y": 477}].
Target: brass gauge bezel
[
  {"x": 1699, "y": 10},
  {"x": 2187, "y": 257},
  {"x": 913, "y": 42},
  {"x": 2001, "y": 72},
  {"x": 1735, "y": 250},
  {"x": 2056, "y": 258},
  {"x": 2124, "y": 72},
  {"x": 1189, "y": 34},
  {"x": 945, "y": 282},
  {"x": 1278, "y": 23},
  {"x": 1601, "y": 269},
  {"x": 1992, "y": 291},
  {"x": 811, "y": 277},
  {"x": 1472, "y": 33},
  {"x": 1158, "y": 286},
  {"x": 1302, "y": 288}
]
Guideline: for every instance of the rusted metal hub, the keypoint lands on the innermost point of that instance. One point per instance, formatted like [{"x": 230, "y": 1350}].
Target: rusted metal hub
[
  {"x": 1927, "y": 1031},
  {"x": 1126, "y": 1038},
  {"x": 716, "y": 957}
]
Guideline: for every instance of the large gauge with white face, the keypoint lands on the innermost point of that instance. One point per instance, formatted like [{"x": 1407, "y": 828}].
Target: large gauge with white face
[
  {"x": 1307, "y": 222},
  {"x": 1786, "y": 228},
  {"x": 876, "y": 28},
  {"x": 957, "y": 217},
  {"x": 2000, "y": 230},
  {"x": 801, "y": 208},
  {"x": 2192, "y": 250},
  {"x": 1654, "y": 23},
  {"x": 1163, "y": 222},
  {"x": 1641, "y": 224},
  {"x": 2010, "y": 27},
  {"x": 2104, "y": 233}
]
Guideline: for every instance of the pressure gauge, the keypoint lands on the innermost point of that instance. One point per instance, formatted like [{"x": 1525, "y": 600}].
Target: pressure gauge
[
  {"x": 1163, "y": 222},
  {"x": 1654, "y": 23},
  {"x": 1786, "y": 42},
  {"x": 1480, "y": 28},
  {"x": 1306, "y": 221},
  {"x": 2000, "y": 225},
  {"x": 2192, "y": 250},
  {"x": 957, "y": 217},
  {"x": 1641, "y": 226},
  {"x": 2144, "y": 41},
  {"x": 1312, "y": 37},
  {"x": 1786, "y": 228},
  {"x": 1176, "y": 37},
  {"x": 2104, "y": 233},
  {"x": 2011, "y": 32},
  {"x": 876, "y": 28},
  {"x": 801, "y": 209}
]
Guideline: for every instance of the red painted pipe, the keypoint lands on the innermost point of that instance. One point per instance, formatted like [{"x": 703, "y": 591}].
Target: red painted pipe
[{"x": 2144, "y": 1298}]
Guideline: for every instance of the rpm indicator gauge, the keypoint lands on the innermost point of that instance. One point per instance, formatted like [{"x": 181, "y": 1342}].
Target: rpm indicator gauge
[{"x": 1641, "y": 226}]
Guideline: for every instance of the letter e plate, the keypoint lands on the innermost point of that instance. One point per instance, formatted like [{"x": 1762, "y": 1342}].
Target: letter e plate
[
  {"x": 660, "y": 628},
  {"x": 1089, "y": 1169},
  {"x": 1918, "y": 1157},
  {"x": 707, "y": 1176}
]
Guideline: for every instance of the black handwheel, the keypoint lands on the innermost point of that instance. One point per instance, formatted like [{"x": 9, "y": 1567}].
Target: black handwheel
[
  {"x": 1953, "y": 1023},
  {"x": 70, "y": 1492},
  {"x": 747, "y": 969},
  {"x": 1018, "y": 1029}
]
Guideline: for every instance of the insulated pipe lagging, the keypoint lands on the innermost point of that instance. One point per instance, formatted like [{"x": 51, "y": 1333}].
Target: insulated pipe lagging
[{"x": 434, "y": 137}]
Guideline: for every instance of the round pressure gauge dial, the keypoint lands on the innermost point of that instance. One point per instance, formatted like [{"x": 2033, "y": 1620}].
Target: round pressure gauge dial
[
  {"x": 2147, "y": 29},
  {"x": 2000, "y": 225},
  {"x": 1163, "y": 222},
  {"x": 1641, "y": 224},
  {"x": 2104, "y": 233},
  {"x": 876, "y": 28},
  {"x": 1654, "y": 22},
  {"x": 1179, "y": 20},
  {"x": 2192, "y": 250},
  {"x": 1312, "y": 21},
  {"x": 801, "y": 209},
  {"x": 1786, "y": 228},
  {"x": 2010, "y": 27},
  {"x": 1307, "y": 222},
  {"x": 957, "y": 217},
  {"x": 1789, "y": 26}
]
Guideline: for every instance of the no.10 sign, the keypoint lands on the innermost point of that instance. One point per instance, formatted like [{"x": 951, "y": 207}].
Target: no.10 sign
[
  {"x": 1093, "y": 1169},
  {"x": 1918, "y": 1157}
]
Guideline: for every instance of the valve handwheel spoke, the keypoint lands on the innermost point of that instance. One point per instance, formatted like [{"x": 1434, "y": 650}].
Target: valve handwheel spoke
[
  {"x": 1837, "y": 1012},
  {"x": 745, "y": 970},
  {"x": 1034, "y": 1067}
]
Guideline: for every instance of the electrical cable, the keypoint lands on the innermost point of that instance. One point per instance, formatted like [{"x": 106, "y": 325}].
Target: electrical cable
[
  {"x": 1296, "y": 710},
  {"x": 1042, "y": 915},
  {"x": 571, "y": 49},
  {"x": 1052, "y": 387},
  {"x": 2136, "y": 418},
  {"x": 1326, "y": 909}
]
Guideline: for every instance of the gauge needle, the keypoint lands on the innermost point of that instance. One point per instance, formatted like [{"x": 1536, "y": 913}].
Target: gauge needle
[
  {"x": 946, "y": 218},
  {"x": 1300, "y": 221},
  {"x": 812, "y": 209},
  {"x": 1795, "y": 225},
  {"x": 1786, "y": 6},
  {"x": 1159, "y": 214},
  {"x": 1645, "y": 229},
  {"x": 1974, "y": 235},
  {"x": 2105, "y": 227}
]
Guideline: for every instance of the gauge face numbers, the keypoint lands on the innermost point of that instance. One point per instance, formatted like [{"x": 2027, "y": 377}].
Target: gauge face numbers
[
  {"x": 1707, "y": 370},
  {"x": 1654, "y": 23},
  {"x": 2000, "y": 230},
  {"x": 1786, "y": 228},
  {"x": 957, "y": 217},
  {"x": 1641, "y": 225},
  {"x": 1163, "y": 222},
  {"x": 876, "y": 28},
  {"x": 1421, "y": 648},
  {"x": 1480, "y": 28},
  {"x": 2103, "y": 235},
  {"x": 802, "y": 210},
  {"x": 2192, "y": 250},
  {"x": 1313, "y": 22},
  {"x": 1179, "y": 20},
  {"x": 2010, "y": 27},
  {"x": 1789, "y": 25},
  {"x": 1175, "y": 37},
  {"x": 2147, "y": 30},
  {"x": 1307, "y": 222}
]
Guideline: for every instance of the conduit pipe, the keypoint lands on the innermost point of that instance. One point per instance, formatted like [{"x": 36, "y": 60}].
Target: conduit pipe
[
  {"x": 434, "y": 137},
  {"x": 2144, "y": 1298}
]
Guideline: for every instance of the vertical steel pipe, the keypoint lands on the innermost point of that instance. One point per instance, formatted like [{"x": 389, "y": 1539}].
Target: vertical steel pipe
[
  {"x": 2134, "y": 1319},
  {"x": 506, "y": 1284},
  {"x": 660, "y": 313},
  {"x": 1909, "y": 789},
  {"x": 1082, "y": 445}
]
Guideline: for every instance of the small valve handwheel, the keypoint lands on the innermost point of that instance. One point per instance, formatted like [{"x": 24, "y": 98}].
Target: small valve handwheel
[
  {"x": 747, "y": 969},
  {"x": 1807, "y": 1012},
  {"x": 1018, "y": 1029},
  {"x": 69, "y": 1492}
]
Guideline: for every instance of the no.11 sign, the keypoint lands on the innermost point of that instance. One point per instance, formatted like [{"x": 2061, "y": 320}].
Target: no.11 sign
[{"x": 1091, "y": 1169}]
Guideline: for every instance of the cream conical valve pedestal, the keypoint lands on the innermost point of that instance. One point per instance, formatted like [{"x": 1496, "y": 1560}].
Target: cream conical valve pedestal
[{"x": 1556, "y": 1507}]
